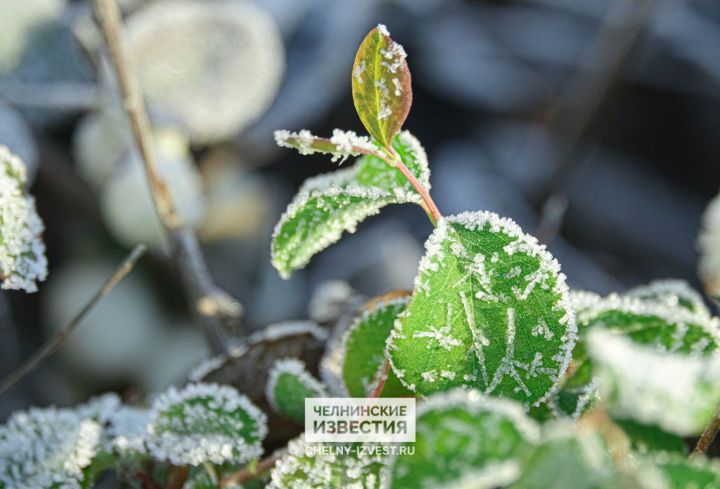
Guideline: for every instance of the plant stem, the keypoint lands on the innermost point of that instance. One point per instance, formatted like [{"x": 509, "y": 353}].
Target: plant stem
[
  {"x": 57, "y": 339},
  {"x": 377, "y": 391},
  {"x": 708, "y": 435},
  {"x": 248, "y": 473},
  {"x": 429, "y": 204},
  {"x": 211, "y": 305}
]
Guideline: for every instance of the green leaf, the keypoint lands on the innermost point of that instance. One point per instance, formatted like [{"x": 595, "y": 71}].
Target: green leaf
[
  {"x": 289, "y": 383},
  {"x": 490, "y": 310},
  {"x": 320, "y": 466},
  {"x": 341, "y": 145},
  {"x": 463, "y": 438},
  {"x": 331, "y": 204},
  {"x": 381, "y": 85},
  {"x": 648, "y": 438},
  {"x": 363, "y": 348},
  {"x": 571, "y": 459},
  {"x": 205, "y": 423},
  {"x": 660, "y": 314},
  {"x": 47, "y": 448},
  {"x": 678, "y": 393},
  {"x": 689, "y": 473}
]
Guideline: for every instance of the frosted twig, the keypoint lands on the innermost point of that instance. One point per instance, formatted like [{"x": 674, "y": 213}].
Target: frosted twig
[
  {"x": 250, "y": 472},
  {"x": 708, "y": 435},
  {"x": 57, "y": 339},
  {"x": 377, "y": 391},
  {"x": 210, "y": 303}
]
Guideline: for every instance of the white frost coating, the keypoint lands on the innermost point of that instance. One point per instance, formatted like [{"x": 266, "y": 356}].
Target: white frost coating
[
  {"x": 101, "y": 408},
  {"x": 670, "y": 292},
  {"x": 591, "y": 306},
  {"x": 47, "y": 448},
  {"x": 127, "y": 430},
  {"x": 549, "y": 267},
  {"x": 709, "y": 247},
  {"x": 200, "y": 423},
  {"x": 296, "y": 470},
  {"x": 382, "y": 29},
  {"x": 22, "y": 252},
  {"x": 345, "y": 143},
  {"x": 296, "y": 369},
  {"x": 679, "y": 393}
]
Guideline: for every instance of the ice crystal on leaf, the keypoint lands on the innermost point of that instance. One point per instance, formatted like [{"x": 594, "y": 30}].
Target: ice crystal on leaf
[
  {"x": 341, "y": 145},
  {"x": 289, "y": 383},
  {"x": 127, "y": 431},
  {"x": 205, "y": 423},
  {"x": 671, "y": 293},
  {"x": 22, "y": 252},
  {"x": 381, "y": 85},
  {"x": 465, "y": 437},
  {"x": 467, "y": 317},
  {"x": 362, "y": 348},
  {"x": 47, "y": 449},
  {"x": 678, "y": 393},
  {"x": 331, "y": 204},
  {"x": 309, "y": 466}
]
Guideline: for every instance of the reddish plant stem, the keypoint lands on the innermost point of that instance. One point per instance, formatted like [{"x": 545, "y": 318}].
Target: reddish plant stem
[
  {"x": 708, "y": 435},
  {"x": 377, "y": 391},
  {"x": 248, "y": 473},
  {"x": 147, "y": 482},
  {"x": 430, "y": 207}
]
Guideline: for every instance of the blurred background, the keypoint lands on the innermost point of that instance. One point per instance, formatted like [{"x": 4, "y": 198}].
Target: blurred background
[{"x": 594, "y": 124}]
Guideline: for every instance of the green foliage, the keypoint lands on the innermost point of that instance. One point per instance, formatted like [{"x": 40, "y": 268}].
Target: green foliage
[
  {"x": 289, "y": 383},
  {"x": 649, "y": 438},
  {"x": 205, "y": 423},
  {"x": 683, "y": 473},
  {"x": 678, "y": 393},
  {"x": 317, "y": 466},
  {"x": 463, "y": 438},
  {"x": 363, "y": 347},
  {"x": 490, "y": 310},
  {"x": 381, "y": 85},
  {"x": 331, "y": 204}
]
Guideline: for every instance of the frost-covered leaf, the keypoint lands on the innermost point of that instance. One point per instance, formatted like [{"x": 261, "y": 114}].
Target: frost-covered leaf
[
  {"x": 570, "y": 459},
  {"x": 341, "y": 145},
  {"x": 288, "y": 385},
  {"x": 464, "y": 438},
  {"x": 658, "y": 315},
  {"x": 381, "y": 85},
  {"x": 319, "y": 466},
  {"x": 331, "y": 204},
  {"x": 22, "y": 252},
  {"x": 205, "y": 423},
  {"x": 363, "y": 347},
  {"x": 490, "y": 311},
  {"x": 649, "y": 438},
  {"x": 47, "y": 449},
  {"x": 679, "y": 393},
  {"x": 671, "y": 293},
  {"x": 127, "y": 431},
  {"x": 709, "y": 246},
  {"x": 682, "y": 472}
]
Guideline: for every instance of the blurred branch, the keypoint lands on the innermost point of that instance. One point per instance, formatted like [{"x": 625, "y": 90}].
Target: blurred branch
[
  {"x": 580, "y": 103},
  {"x": 57, "y": 339},
  {"x": 708, "y": 435},
  {"x": 210, "y": 303},
  {"x": 249, "y": 473}
]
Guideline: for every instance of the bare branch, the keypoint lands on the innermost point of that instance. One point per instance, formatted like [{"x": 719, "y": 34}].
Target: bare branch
[
  {"x": 708, "y": 435},
  {"x": 249, "y": 473},
  {"x": 211, "y": 304},
  {"x": 57, "y": 339}
]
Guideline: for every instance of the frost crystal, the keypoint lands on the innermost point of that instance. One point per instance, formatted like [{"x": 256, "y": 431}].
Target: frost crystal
[
  {"x": 289, "y": 383},
  {"x": 47, "y": 448},
  {"x": 341, "y": 145},
  {"x": 128, "y": 430},
  {"x": 205, "y": 423},
  {"x": 22, "y": 252}
]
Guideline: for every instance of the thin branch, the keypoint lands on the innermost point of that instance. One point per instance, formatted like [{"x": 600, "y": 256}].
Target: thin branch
[
  {"x": 249, "y": 473},
  {"x": 57, "y": 339},
  {"x": 377, "y": 391},
  {"x": 211, "y": 304},
  {"x": 708, "y": 436},
  {"x": 582, "y": 100},
  {"x": 429, "y": 203}
]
